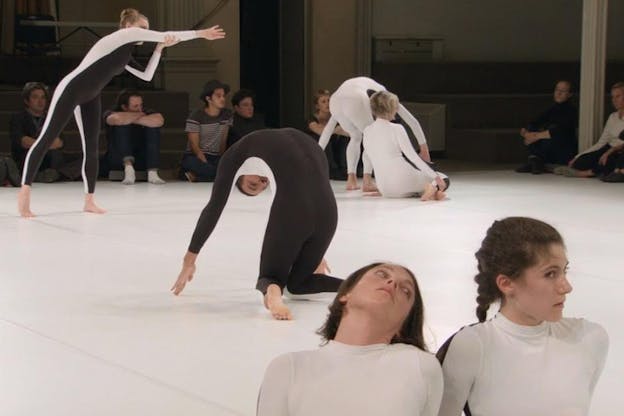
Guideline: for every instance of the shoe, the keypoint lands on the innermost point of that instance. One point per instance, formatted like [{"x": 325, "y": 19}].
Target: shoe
[
  {"x": 47, "y": 176},
  {"x": 12, "y": 172},
  {"x": 537, "y": 165},
  {"x": 613, "y": 177},
  {"x": 190, "y": 176},
  {"x": 566, "y": 171}
]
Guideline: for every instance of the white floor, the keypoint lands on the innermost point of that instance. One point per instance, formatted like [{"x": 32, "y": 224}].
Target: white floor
[{"x": 88, "y": 326}]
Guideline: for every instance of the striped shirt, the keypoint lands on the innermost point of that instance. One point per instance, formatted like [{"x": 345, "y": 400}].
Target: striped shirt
[{"x": 212, "y": 130}]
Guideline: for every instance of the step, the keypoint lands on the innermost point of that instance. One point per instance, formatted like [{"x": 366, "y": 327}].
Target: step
[{"x": 486, "y": 145}]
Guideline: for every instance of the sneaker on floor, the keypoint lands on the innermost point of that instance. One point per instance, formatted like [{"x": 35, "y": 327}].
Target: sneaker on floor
[
  {"x": 47, "y": 176},
  {"x": 153, "y": 178},
  {"x": 613, "y": 177},
  {"x": 190, "y": 176},
  {"x": 566, "y": 171}
]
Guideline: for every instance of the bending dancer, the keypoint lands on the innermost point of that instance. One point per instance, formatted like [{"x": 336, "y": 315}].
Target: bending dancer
[
  {"x": 79, "y": 92},
  {"x": 350, "y": 107},
  {"x": 302, "y": 220},
  {"x": 374, "y": 361},
  {"x": 399, "y": 171},
  {"x": 528, "y": 359}
]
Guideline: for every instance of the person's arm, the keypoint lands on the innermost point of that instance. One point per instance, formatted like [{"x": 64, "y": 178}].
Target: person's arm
[
  {"x": 18, "y": 132},
  {"x": 228, "y": 166},
  {"x": 327, "y": 132},
  {"x": 123, "y": 118},
  {"x": 409, "y": 152},
  {"x": 460, "y": 367},
  {"x": 341, "y": 132},
  {"x": 166, "y": 39},
  {"x": 151, "y": 120},
  {"x": 432, "y": 377},
  {"x": 273, "y": 395},
  {"x": 316, "y": 127},
  {"x": 414, "y": 125},
  {"x": 193, "y": 139},
  {"x": 604, "y": 139}
]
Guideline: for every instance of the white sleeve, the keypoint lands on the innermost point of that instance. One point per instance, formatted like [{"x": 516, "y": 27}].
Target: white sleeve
[
  {"x": 273, "y": 396},
  {"x": 604, "y": 139},
  {"x": 413, "y": 124},
  {"x": 327, "y": 132},
  {"x": 410, "y": 153},
  {"x": 460, "y": 369},
  {"x": 432, "y": 375},
  {"x": 598, "y": 340},
  {"x": 148, "y": 74}
]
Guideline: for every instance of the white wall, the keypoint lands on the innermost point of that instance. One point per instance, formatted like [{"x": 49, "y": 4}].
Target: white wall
[{"x": 497, "y": 30}]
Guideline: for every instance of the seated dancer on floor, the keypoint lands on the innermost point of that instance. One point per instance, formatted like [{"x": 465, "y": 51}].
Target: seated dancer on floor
[
  {"x": 350, "y": 107},
  {"x": 399, "y": 171},
  {"x": 302, "y": 220}
]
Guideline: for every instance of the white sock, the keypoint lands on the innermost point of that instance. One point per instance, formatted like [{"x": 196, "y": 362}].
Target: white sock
[
  {"x": 129, "y": 176},
  {"x": 152, "y": 177}
]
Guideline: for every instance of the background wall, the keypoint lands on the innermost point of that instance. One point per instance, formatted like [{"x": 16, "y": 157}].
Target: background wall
[{"x": 497, "y": 30}]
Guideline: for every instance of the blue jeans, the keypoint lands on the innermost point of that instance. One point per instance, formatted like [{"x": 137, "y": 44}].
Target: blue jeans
[
  {"x": 139, "y": 144},
  {"x": 204, "y": 171}
]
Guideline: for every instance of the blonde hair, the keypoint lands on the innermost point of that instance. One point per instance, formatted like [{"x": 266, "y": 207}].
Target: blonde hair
[
  {"x": 129, "y": 17},
  {"x": 618, "y": 86},
  {"x": 384, "y": 104}
]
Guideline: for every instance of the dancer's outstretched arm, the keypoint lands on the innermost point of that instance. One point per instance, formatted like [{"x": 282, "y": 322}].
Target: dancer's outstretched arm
[{"x": 417, "y": 130}]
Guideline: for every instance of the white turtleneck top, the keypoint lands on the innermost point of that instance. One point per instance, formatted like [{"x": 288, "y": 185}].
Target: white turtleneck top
[
  {"x": 340, "y": 379},
  {"x": 501, "y": 368}
]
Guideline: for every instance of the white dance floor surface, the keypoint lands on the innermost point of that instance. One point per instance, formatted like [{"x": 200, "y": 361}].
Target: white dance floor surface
[{"x": 88, "y": 325}]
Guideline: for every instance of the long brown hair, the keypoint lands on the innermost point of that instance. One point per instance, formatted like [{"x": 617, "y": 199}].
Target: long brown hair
[
  {"x": 510, "y": 246},
  {"x": 412, "y": 329}
]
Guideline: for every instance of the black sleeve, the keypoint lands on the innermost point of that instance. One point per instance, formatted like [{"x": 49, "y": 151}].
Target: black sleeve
[
  {"x": 17, "y": 130},
  {"x": 228, "y": 166}
]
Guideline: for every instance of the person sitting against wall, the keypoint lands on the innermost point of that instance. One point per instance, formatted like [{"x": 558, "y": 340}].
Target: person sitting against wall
[
  {"x": 551, "y": 137},
  {"x": 245, "y": 119}
]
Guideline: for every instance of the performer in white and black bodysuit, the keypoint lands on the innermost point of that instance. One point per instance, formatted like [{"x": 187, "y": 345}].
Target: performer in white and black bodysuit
[
  {"x": 528, "y": 359},
  {"x": 79, "y": 94},
  {"x": 303, "y": 214},
  {"x": 350, "y": 107},
  {"x": 399, "y": 171}
]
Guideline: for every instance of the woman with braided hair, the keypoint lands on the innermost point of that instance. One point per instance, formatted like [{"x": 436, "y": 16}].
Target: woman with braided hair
[
  {"x": 527, "y": 359},
  {"x": 79, "y": 94}
]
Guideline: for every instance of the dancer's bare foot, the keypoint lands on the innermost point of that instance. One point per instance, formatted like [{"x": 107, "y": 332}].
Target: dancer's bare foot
[
  {"x": 429, "y": 193},
  {"x": 368, "y": 184},
  {"x": 90, "y": 206},
  {"x": 352, "y": 184},
  {"x": 440, "y": 196},
  {"x": 323, "y": 268},
  {"x": 23, "y": 202},
  {"x": 273, "y": 302}
]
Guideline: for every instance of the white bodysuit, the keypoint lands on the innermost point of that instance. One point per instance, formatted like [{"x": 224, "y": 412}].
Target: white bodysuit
[
  {"x": 501, "y": 368},
  {"x": 350, "y": 107},
  {"x": 340, "y": 379},
  {"x": 386, "y": 143}
]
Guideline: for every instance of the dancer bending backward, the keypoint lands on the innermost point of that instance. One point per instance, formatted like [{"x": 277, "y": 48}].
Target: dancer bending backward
[
  {"x": 399, "y": 171},
  {"x": 527, "y": 359},
  {"x": 79, "y": 93},
  {"x": 350, "y": 107},
  {"x": 302, "y": 220}
]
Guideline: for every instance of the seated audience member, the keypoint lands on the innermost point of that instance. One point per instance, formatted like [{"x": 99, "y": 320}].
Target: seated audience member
[
  {"x": 601, "y": 158},
  {"x": 207, "y": 131},
  {"x": 527, "y": 359},
  {"x": 133, "y": 135},
  {"x": 245, "y": 120},
  {"x": 9, "y": 173},
  {"x": 25, "y": 128},
  {"x": 374, "y": 361},
  {"x": 336, "y": 149},
  {"x": 551, "y": 138}
]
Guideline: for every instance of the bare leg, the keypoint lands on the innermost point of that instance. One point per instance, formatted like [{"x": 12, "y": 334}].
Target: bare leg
[
  {"x": 368, "y": 184},
  {"x": 273, "y": 302},
  {"x": 90, "y": 206},
  {"x": 352, "y": 184},
  {"x": 23, "y": 202}
]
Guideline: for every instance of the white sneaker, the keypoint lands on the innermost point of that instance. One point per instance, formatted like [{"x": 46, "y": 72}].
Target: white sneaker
[
  {"x": 152, "y": 177},
  {"x": 129, "y": 176}
]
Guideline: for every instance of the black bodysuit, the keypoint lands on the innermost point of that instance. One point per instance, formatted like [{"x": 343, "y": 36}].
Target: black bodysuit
[
  {"x": 303, "y": 216},
  {"x": 79, "y": 92}
]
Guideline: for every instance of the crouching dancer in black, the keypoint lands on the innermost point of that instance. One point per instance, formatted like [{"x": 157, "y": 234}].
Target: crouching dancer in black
[
  {"x": 302, "y": 220},
  {"x": 79, "y": 93}
]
